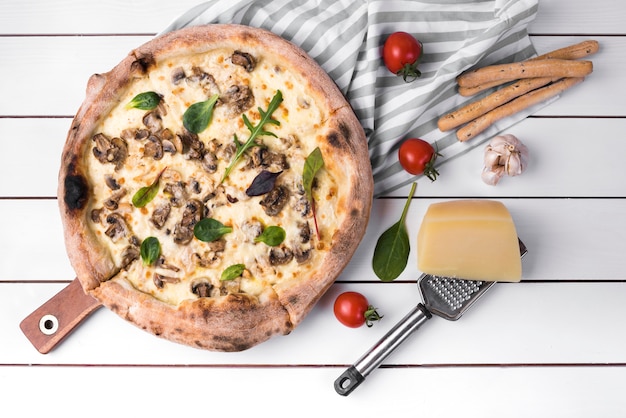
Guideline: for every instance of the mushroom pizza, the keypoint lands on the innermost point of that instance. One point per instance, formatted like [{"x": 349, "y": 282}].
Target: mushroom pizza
[{"x": 213, "y": 186}]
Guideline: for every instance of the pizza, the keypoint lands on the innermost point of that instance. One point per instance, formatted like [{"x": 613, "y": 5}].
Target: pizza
[{"x": 213, "y": 185}]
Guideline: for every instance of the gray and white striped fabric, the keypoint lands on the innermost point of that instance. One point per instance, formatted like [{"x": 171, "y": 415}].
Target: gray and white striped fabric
[{"x": 345, "y": 37}]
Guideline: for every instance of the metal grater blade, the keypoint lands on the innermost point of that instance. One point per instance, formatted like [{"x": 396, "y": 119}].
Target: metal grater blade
[{"x": 450, "y": 298}]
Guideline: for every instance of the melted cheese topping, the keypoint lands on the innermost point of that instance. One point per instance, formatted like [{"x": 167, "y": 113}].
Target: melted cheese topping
[{"x": 184, "y": 179}]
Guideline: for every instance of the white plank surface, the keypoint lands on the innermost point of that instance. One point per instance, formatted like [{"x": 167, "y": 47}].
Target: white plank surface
[{"x": 552, "y": 345}]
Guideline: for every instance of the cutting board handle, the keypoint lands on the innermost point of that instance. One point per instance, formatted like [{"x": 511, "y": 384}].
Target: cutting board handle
[{"x": 47, "y": 326}]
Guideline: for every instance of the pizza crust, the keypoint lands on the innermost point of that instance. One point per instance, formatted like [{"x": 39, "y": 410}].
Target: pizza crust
[{"x": 237, "y": 321}]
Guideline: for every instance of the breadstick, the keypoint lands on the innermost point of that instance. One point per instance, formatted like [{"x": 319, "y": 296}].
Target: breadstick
[
  {"x": 481, "y": 123},
  {"x": 490, "y": 102},
  {"x": 526, "y": 69},
  {"x": 572, "y": 52}
]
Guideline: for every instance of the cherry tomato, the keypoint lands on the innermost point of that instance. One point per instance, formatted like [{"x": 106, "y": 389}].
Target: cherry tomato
[
  {"x": 417, "y": 156},
  {"x": 401, "y": 55},
  {"x": 353, "y": 310}
]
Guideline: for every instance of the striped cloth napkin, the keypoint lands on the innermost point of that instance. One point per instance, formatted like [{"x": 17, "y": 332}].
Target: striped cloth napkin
[{"x": 345, "y": 37}]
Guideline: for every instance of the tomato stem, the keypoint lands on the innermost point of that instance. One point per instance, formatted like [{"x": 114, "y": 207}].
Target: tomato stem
[{"x": 371, "y": 315}]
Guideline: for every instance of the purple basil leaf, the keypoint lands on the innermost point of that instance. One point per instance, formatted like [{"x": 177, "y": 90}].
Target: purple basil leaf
[{"x": 263, "y": 183}]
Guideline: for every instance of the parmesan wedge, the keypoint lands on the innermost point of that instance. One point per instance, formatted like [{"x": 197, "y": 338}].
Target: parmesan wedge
[{"x": 469, "y": 239}]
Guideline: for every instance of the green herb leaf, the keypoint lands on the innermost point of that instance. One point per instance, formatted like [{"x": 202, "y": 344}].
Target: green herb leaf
[
  {"x": 255, "y": 131},
  {"x": 232, "y": 272},
  {"x": 313, "y": 163},
  {"x": 150, "y": 250},
  {"x": 145, "y": 195},
  {"x": 145, "y": 101},
  {"x": 209, "y": 229},
  {"x": 392, "y": 248},
  {"x": 272, "y": 236},
  {"x": 198, "y": 116}
]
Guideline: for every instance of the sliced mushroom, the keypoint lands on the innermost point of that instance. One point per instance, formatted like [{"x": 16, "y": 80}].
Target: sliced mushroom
[
  {"x": 301, "y": 254},
  {"x": 178, "y": 75},
  {"x": 152, "y": 120},
  {"x": 183, "y": 231},
  {"x": 117, "y": 227},
  {"x": 191, "y": 144},
  {"x": 153, "y": 148},
  {"x": 280, "y": 255},
  {"x": 163, "y": 264},
  {"x": 110, "y": 150},
  {"x": 113, "y": 201},
  {"x": 305, "y": 232},
  {"x": 176, "y": 192},
  {"x": 209, "y": 162},
  {"x": 160, "y": 215},
  {"x": 160, "y": 280},
  {"x": 252, "y": 229},
  {"x": 244, "y": 60},
  {"x": 111, "y": 183},
  {"x": 237, "y": 99},
  {"x": 274, "y": 201},
  {"x": 212, "y": 255},
  {"x": 262, "y": 157},
  {"x": 202, "y": 289},
  {"x": 130, "y": 254},
  {"x": 202, "y": 79}
]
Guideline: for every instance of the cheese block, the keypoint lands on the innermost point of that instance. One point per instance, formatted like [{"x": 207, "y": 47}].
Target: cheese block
[{"x": 469, "y": 239}]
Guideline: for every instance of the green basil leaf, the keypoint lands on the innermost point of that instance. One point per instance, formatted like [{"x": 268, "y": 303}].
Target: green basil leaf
[
  {"x": 313, "y": 163},
  {"x": 272, "y": 236},
  {"x": 198, "y": 116},
  {"x": 232, "y": 272},
  {"x": 145, "y": 101},
  {"x": 209, "y": 229},
  {"x": 150, "y": 250},
  {"x": 392, "y": 248},
  {"x": 145, "y": 195}
]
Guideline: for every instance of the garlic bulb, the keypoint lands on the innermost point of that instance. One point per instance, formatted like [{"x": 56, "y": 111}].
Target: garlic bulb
[{"x": 504, "y": 155}]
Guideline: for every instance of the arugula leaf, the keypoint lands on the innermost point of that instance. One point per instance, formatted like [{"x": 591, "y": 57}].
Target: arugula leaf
[
  {"x": 144, "y": 101},
  {"x": 313, "y": 163},
  {"x": 145, "y": 195},
  {"x": 255, "y": 131},
  {"x": 150, "y": 250},
  {"x": 272, "y": 236},
  {"x": 392, "y": 248},
  {"x": 198, "y": 116},
  {"x": 232, "y": 272},
  {"x": 209, "y": 229}
]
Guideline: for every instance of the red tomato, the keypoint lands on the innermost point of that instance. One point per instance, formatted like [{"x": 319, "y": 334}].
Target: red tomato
[
  {"x": 401, "y": 55},
  {"x": 353, "y": 310},
  {"x": 417, "y": 156}
]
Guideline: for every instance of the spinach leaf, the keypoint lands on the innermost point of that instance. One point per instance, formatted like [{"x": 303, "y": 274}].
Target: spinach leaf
[
  {"x": 150, "y": 250},
  {"x": 144, "y": 101},
  {"x": 145, "y": 195},
  {"x": 198, "y": 116},
  {"x": 392, "y": 248},
  {"x": 232, "y": 272},
  {"x": 209, "y": 229},
  {"x": 272, "y": 236}
]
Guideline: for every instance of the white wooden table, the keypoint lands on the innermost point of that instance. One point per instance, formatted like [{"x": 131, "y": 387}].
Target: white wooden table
[{"x": 553, "y": 345}]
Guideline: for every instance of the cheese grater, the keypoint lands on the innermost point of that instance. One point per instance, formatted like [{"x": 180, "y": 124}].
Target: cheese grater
[{"x": 443, "y": 296}]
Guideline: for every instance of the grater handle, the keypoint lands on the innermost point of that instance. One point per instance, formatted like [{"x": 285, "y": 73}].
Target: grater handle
[{"x": 356, "y": 374}]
